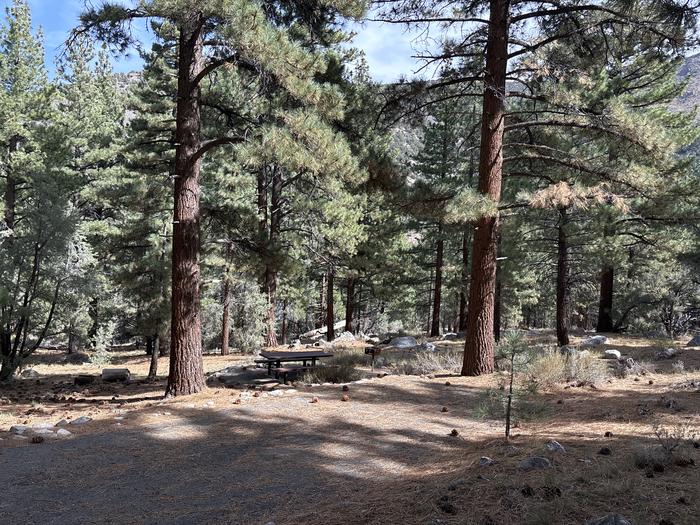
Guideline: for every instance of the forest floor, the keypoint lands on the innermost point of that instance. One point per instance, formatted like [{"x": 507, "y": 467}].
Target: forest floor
[{"x": 384, "y": 456}]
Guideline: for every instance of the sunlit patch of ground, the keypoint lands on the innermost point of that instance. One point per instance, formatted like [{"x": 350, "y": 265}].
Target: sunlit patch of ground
[{"x": 384, "y": 456}]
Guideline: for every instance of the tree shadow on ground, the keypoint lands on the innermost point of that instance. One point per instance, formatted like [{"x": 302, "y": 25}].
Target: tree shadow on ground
[{"x": 377, "y": 459}]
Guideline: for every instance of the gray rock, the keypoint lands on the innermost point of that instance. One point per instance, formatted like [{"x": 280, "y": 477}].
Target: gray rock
[
  {"x": 596, "y": 340},
  {"x": 612, "y": 354},
  {"x": 668, "y": 353},
  {"x": 404, "y": 342},
  {"x": 450, "y": 336},
  {"x": 62, "y": 432},
  {"x": 61, "y": 423},
  {"x": 29, "y": 374},
  {"x": 535, "y": 463},
  {"x": 81, "y": 420},
  {"x": 485, "y": 461},
  {"x": 555, "y": 446},
  {"x": 695, "y": 341},
  {"x": 345, "y": 337},
  {"x": 610, "y": 519},
  {"x": 430, "y": 347},
  {"x": 19, "y": 429},
  {"x": 42, "y": 426}
]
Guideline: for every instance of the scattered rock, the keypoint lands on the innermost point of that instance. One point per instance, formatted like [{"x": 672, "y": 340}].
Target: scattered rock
[
  {"x": 314, "y": 400},
  {"x": 346, "y": 388},
  {"x": 485, "y": 461},
  {"x": 345, "y": 398},
  {"x": 429, "y": 347},
  {"x": 555, "y": 446},
  {"x": 596, "y": 340},
  {"x": 695, "y": 341},
  {"x": 669, "y": 353},
  {"x": 447, "y": 383},
  {"x": 37, "y": 439},
  {"x": 81, "y": 420},
  {"x": 534, "y": 463},
  {"x": 612, "y": 354},
  {"x": 345, "y": 337},
  {"x": 456, "y": 483},
  {"x": 443, "y": 409},
  {"x": 454, "y": 432},
  {"x": 404, "y": 342},
  {"x": 62, "y": 432},
  {"x": 605, "y": 451},
  {"x": 651, "y": 382},
  {"x": 610, "y": 519},
  {"x": 29, "y": 374},
  {"x": 238, "y": 401},
  {"x": 447, "y": 507},
  {"x": 19, "y": 430},
  {"x": 608, "y": 434}
]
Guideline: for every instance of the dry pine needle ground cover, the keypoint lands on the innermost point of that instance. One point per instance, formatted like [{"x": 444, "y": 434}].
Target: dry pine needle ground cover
[{"x": 386, "y": 455}]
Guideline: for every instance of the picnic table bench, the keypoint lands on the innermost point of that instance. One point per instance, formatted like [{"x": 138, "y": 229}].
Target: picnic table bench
[{"x": 274, "y": 361}]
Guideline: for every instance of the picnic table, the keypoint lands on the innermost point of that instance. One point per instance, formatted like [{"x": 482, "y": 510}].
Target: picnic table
[{"x": 277, "y": 358}]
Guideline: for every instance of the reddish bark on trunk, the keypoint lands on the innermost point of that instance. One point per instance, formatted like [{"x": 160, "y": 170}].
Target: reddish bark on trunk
[
  {"x": 186, "y": 366},
  {"x": 479, "y": 347},
  {"x": 563, "y": 288}
]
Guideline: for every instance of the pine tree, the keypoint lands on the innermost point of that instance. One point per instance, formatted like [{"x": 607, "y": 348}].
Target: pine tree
[{"x": 240, "y": 34}]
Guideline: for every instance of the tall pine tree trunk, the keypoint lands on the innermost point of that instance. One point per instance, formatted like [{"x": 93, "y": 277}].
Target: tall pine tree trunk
[
  {"x": 437, "y": 295},
  {"x": 284, "y": 322},
  {"x": 271, "y": 291},
  {"x": 462, "y": 323},
  {"x": 225, "y": 316},
  {"x": 563, "y": 284},
  {"x": 350, "y": 304},
  {"x": 605, "y": 305},
  {"x": 330, "y": 315},
  {"x": 155, "y": 353},
  {"x": 479, "y": 347},
  {"x": 186, "y": 366}
]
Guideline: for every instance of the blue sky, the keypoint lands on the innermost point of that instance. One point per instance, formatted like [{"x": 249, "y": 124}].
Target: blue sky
[{"x": 388, "y": 47}]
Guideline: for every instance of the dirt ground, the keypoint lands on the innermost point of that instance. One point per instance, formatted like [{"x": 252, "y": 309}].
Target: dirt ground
[{"x": 385, "y": 456}]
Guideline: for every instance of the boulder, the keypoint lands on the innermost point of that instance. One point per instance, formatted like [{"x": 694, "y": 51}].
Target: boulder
[
  {"x": 555, "y": 446},
  {"x": 114, "y": 375},
  {"x": 535, "y": 463},
  {"x": 596, "y": 340},
  {"x": 612, "y": 354},
  {"x": 19, "y": 430},
  {"x": 430, "y": 347},
  {"x": 669, "y": 353},
  {"x": 610, "y": 519},
  {"x": 29, "y": 374},
  {"x": 81, "y": 420},
  {"x": 62, "y": 432},
  {"x": 344, "y": 338},
  {"x": 695, "y": 341},
  {"x": 404, "y": 342}
]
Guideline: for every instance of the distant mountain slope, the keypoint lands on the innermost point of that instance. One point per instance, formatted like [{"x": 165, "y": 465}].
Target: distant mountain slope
[{"x": 690, "y": 71}]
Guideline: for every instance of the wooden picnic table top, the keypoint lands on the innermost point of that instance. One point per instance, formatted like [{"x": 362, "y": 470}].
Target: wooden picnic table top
[{"x": 294, "y": 356}]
